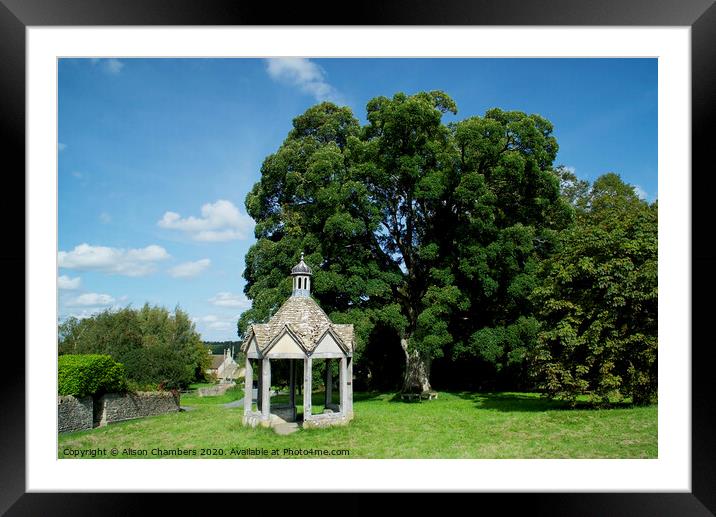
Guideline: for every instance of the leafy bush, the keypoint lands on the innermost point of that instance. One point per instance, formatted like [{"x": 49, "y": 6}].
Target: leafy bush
[
  {"x": 159, "y": 365},
  {"x": 91, "y": 374}
]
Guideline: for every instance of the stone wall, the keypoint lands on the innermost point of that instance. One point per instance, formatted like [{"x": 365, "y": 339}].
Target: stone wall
[
  {"x": 115, "y": 407},
  {"x": 74, "y": 414}
]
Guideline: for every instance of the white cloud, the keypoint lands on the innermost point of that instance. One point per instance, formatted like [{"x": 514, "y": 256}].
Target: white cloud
[
  {"x": 221, "y": 325},
  {"x": 77, "y": 174},
  {"x": 61, "y": 146},
  {"x": 90, "y": 300},
  {"x": 206, "y": 319},
  {"x": 220, "y": 221},
  {"x": 105, "y": 218},
  {"x": 640, "y": 192},
  {"x": 66, "y": 283},
  {"x": 226, "y": 299},
  {"x": 81, "y": 314},
  {"x": 301, "y": 72},
  {"x": 113, "y": 66},
  {"x": 131, "y": 262},
  {"x": 212, "y": 322},
  {"x": 189, "y": 269}
]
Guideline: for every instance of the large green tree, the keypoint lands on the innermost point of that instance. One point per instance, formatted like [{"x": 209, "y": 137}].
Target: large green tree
[
  {"x": 508, "y": 209},
  {"x": 407, "y": 160},
  {"x": 310, "y": 200},
  {"x": 598, "y": 300},
  {"x": 426, "y": 228}
]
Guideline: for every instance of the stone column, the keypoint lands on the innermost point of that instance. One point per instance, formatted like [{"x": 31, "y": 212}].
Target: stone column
[
  {"x": 291, "y": 383},
  {"x": 344, "y": 386},
  {"x": 329, "y": 383},
  {"x": 307, "y": 387},
  {"x": 248, "y": 387},
  {"x": 265, "y": 388},
  {"x": 349, "y": 388},
  {"x": 260, "y": 384}
]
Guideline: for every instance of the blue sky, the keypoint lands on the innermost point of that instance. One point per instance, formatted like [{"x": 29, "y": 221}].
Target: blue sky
[{"x": 155, "y": 156}]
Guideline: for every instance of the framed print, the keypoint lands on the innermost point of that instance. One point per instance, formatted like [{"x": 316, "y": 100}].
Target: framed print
[{"x": 152, "y": 139}]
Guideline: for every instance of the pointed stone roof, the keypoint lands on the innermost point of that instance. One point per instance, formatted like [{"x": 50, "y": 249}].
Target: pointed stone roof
[
  {"x": 345, "y": 332},
  {"x": 305, "y": 319}
]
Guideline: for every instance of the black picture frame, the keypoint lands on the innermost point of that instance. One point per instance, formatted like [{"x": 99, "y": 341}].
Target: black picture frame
[{"x": 700, "y": 15}]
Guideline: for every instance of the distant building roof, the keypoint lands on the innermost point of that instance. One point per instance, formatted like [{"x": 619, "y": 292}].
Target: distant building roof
[{"x": 216, "y": 361}]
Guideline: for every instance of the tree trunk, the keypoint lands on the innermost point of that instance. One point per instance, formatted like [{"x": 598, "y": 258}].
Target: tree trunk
[{"x": 417, "y": 370}]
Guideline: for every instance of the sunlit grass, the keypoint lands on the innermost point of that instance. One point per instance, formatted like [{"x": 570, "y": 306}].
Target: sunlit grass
[
  {"x": 456, "y": 425},
  {"x": 232, "y": 394}
]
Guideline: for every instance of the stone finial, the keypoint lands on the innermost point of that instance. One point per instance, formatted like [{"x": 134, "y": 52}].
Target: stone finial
[{"x": 301, "y": 274}]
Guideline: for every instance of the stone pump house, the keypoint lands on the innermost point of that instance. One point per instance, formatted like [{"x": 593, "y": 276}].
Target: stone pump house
[{"x": 300, "y": 332}]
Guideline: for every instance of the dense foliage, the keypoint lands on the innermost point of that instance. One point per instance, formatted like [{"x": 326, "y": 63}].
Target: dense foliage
[
  {"x": 158, "y": 348},
  {"x": 599, "y": 300},
  {"x": 446, "y": 244},
  {"x": 427, "y": 229},
  {"x": 218, "y": 347},
  {"x": 91, "y": 374}
]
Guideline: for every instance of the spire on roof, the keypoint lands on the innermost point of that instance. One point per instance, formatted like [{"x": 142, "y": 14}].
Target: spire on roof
[{"x": 301, "y": 274}]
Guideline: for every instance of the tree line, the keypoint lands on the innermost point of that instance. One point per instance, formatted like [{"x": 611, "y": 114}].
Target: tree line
[
  {"x": 459, "y": 251},
  {"x": 218, "y": 347},
  {"x": 158, "y": 348}
]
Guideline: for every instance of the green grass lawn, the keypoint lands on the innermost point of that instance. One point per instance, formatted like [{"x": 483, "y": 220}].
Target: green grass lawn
[
  {"x": 456, "y": 425},
  {"x": 198, "y": 385},
  {"x": 192, "y": 399}
]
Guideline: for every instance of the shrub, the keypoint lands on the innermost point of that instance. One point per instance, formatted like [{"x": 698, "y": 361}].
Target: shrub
[
  {"x": 159, "y": 365},
  {"x": 92, "y": 374}
]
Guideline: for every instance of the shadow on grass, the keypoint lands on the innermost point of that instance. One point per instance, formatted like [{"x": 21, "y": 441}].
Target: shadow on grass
[
  {"x": 318, "y": 398},
  {"x": 361, "y": 396},
  {"x": 398, "y": 397},
  {"x": 527, "y": 402}
]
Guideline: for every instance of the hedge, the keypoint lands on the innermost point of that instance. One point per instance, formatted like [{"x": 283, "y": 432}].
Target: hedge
[{"x": 82, "y": 375}]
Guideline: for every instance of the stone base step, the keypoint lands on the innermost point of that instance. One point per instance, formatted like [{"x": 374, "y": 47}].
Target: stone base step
[{"x": 286, "y": 428}]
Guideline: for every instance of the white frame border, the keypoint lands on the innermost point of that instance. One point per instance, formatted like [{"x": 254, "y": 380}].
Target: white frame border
[{"x": 670, "y": 472}]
